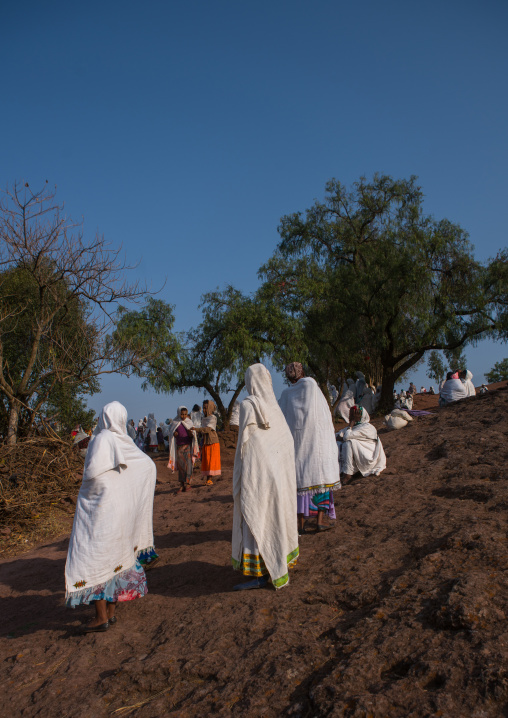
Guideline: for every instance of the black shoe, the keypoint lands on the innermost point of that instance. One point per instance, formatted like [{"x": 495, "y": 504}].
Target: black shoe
[
  {"x": 112, "y": 620},
  {"x": 96, "y": 629},
  {"x": 256, "y": 583}
]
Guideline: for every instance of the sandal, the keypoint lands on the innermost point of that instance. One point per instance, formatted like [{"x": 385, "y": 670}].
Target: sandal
[{"x": 209, "y": 482}]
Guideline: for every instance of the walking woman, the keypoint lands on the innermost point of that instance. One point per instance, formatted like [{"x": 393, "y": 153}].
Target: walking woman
[
  {"x": 112, "y": 536},
  {"x": 265, "y": 534},
  {"x": 210, "y": 452},
  {"x": 183, "y": 447}
]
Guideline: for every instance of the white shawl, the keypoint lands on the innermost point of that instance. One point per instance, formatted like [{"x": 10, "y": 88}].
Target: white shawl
[
  {"x": 172, "y": 441},
  {"x": 151, "y": 429},
  {"x": 368, "y": 451},
  {"x": 453, "y": 390},
  {"x": 471, "y": 391},
  {"x": 345, "y": 404},
  {"x": 308, "y": 416},
  {"x": 113, "y": 519},
  {"x": 264, "y": 478}
]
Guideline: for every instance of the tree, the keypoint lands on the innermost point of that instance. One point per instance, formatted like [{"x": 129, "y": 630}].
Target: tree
[
  {"x": 236, "y": 331},
  {"x": 499, "y": 372},
  {"x": 436, "y": 367},
  {"x": 385, "y": 280},
  {"x": 59, "y": 294}
]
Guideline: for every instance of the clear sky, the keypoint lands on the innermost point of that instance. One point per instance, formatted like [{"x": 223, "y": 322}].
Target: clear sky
[{"x": 185, "y": 130}]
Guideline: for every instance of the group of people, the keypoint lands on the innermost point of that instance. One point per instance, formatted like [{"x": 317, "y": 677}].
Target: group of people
[{"x": 287, "y": 466}]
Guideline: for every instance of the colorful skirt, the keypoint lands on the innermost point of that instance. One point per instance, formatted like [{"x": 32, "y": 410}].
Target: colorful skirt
[
  {"x": 184, "y": 463},
  {"x": 126, "y": 586},
  {"x": 315, "y": 500},
  {"x": 210, "y": 460},
  {"x": 252, "y": 564}
]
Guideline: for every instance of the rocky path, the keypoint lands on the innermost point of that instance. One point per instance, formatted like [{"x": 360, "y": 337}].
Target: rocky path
[{"x": 399, "y": 611}]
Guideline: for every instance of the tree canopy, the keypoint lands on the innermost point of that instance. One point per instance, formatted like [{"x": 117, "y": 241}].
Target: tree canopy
[
  {"x": 236, "y": 331},
  {"x": 376, "y": 283},
  {"x": 58, "y": 295},
  {"x": 499, "y": 372}
]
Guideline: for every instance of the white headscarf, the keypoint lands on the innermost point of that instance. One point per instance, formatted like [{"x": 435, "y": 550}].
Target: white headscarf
[
  {"x": 113, "y": 519},
  {"x": 172, "y": 441},
  {"x": 264, "y": 478}
]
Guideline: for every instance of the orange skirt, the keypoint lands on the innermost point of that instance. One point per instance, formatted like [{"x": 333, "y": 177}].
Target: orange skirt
[{"x": 210, "y": 460}]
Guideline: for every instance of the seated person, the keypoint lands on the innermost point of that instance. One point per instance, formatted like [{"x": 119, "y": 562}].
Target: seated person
[
  {"x": 453, "y": 390},
  {"x": 360, "y": 448}
]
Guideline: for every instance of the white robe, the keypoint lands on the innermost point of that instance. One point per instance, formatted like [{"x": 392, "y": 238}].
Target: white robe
[
  {"x": 453, "y": 390},
  {"x": 113, "y": 519},
  {"x": 308, "y": 416},
  {"x": 235, "y": 415},
  {"x": 368, "y": 399},
  {"x": 264, "y": 481},
  {"x": 471, "y": 391},
  {"x": 345, "y": 404},
  {"x": 362, "y": 450},
  {"x": 151, "y": 430}
]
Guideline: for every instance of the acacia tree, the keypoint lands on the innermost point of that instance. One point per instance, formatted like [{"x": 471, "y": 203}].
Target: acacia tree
[
  {"x": 499, "y": 372},
  {"x": 386, "y": 280},
  {"x": 59, "y": 294},
  {"x": 235, "y": 331}
]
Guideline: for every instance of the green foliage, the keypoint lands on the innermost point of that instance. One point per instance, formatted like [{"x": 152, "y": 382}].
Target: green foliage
[
  {"x": 68, "y": 339},
  {"x": 235, "y": 332},
  {"x": 499, "y": 372},
  {"x": 436, "y": 368},
  {"x": 376, "y": 284}
]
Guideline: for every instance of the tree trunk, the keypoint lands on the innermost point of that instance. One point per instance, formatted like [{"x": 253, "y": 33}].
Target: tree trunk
[
  {"x": 14, "y": 411},
  {"x": 388, "y": 384}
]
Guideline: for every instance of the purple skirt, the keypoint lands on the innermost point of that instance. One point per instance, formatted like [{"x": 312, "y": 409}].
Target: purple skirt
[{"x": 311, "y": 502}]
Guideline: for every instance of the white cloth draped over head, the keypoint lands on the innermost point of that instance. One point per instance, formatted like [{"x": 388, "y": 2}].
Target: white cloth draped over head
[
  {"x": 308, "y": 416},
  {"x": 367, "y": 400},
  {"x": 113, "y": 519},
  {"x": 264, "y": 479},
  {"x": 196, "y": 417},
  {"x": 345, "y": 404},
  {"x": 452, "y": 390},
  {"x": 172, "y": 441},
  {"x": 235, "y": 414},
  {"x": 364, "y": 445},
  {"x": 131, "y": 431},
  {"x": 471, "y": 391},
  {"x": 151, "y": 429},
  {"x": 398, "y": 419}
]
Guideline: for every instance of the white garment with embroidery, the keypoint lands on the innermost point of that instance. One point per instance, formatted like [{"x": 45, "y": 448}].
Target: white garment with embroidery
[
  {"x": 113, "y": 519},
  {"x": 308, "y": 416}
]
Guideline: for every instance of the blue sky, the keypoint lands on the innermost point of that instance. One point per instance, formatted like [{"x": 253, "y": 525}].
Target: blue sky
[{"x": 184, "y": 131}]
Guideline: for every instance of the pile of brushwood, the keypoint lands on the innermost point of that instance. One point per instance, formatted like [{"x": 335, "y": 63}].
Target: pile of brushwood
[{"x": 36, "y": 473}]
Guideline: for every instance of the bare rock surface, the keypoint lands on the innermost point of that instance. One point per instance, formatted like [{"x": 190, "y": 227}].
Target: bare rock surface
[{"x": 399, "y": 611}]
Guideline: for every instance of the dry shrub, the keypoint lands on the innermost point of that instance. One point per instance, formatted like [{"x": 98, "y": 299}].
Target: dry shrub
[{"x": 36, "y": 473}]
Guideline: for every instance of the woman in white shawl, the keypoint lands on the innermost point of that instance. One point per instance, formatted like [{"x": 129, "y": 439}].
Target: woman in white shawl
[
  {"x": 361, "y": 449},
  {"x": 151, "y": 442},
  {"x": 317, "y": 461},
  {"x": 183, "y": 448},
  {"x": 347, "y": 400},
  {"x": 112, "y": 535},
  {"x": 466, "y": 376},
  {"x": 265, "y": 535},
  {"x": 452, "y": 390},
  {"x": 131, "y": 430}
]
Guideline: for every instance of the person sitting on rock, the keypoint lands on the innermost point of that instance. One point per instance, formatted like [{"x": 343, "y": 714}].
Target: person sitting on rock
[{"x": 360, "y": 447}]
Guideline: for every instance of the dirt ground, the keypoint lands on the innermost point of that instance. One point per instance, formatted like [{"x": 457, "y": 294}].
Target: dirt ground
[{"x": 399, "y": 611}]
